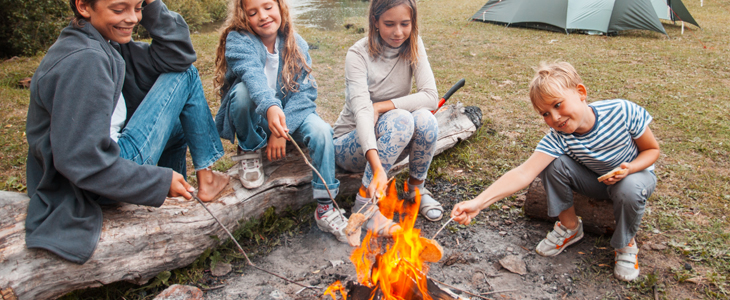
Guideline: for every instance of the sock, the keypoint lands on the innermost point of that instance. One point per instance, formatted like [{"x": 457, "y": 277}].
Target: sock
[
  {"x": 323, "y": 208},
  {"x": 412, "y": 188}
]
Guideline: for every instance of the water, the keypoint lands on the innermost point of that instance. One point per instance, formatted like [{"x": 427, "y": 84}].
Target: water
[
  {"x": 326, "y": 14},
  {"x": 321, "y": 14}
]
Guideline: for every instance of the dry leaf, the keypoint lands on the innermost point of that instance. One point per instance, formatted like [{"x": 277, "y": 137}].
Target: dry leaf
[
  {"x": 514, "y": 264},
  {"x": 696, "y": 280}
]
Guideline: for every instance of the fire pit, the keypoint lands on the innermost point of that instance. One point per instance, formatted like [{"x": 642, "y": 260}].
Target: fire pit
[{"x": 394, "y": 268}]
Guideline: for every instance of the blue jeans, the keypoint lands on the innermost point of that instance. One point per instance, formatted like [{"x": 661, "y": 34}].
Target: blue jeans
[
  {"x": 252, "y": 132},
  {"x": 400, "y": 134},
  {"x": 172, "y": 117}
]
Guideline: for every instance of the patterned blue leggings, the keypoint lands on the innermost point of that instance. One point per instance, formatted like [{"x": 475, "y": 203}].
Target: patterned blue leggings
[{"x": 400, "y": 134}]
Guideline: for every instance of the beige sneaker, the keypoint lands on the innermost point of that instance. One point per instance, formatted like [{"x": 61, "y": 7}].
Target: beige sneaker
[
  {"x": 334, "y": 222},
  {"x": 561, "y": 237}
]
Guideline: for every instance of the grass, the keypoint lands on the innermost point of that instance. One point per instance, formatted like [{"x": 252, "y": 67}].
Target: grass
[{"x": 683, "y": 80}]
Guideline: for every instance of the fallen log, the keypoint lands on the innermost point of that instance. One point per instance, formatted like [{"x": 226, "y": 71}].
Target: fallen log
[
  {"x": 597, "y": 214},
  {"x": 138, "y": 242}
]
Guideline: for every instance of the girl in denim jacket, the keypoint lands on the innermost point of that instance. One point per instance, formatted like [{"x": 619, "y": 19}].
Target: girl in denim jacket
[{"x": 263, "y": 71}]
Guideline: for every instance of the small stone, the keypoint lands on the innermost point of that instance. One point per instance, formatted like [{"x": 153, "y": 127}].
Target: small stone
[
  {"x": 221, "y": 269},
  {"x": 510, "y": 249},
  {"x": 502, "y": 233},
  {"x": 656, "y": 231},
  {"x": 646, "y": 247},
  {"x": 336, "y": 262},
  {"x": 270, "y": 293},
  {"x": 658, "y": 246},
  {"x": 180, "y": 292},
  {"x": 496, "y": 98},
  {"x": 687, "y": 267}
]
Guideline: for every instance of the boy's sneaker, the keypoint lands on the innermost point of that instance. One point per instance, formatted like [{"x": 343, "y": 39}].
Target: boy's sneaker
[
  {"x": 627, "y": 262},
  {"x": 251, "y": 169},
  {"x": 331, "y": 221},
  {"x": 559, "y": 238}
]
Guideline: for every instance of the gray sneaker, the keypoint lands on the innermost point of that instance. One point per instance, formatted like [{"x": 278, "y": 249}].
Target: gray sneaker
[
  {"x": 251, "y": 168},
  {"x": 561, "y": 237}
]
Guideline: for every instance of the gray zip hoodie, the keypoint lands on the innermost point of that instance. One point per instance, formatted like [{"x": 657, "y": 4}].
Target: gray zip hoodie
[{"x": 73, "y": 165}]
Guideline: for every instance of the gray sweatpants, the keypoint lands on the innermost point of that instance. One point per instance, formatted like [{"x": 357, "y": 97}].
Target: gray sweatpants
[{"x": 565, "y": 175}]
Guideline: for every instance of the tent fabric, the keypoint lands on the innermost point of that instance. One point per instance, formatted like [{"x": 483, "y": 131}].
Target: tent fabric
[
  {"x": 634, "y": 14},
  {"x": 673, "y": 10},
  {"x": 606, "y": 16}
]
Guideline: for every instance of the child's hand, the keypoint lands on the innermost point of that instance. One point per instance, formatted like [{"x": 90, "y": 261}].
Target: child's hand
[
  {"x": 379, "y": 182},
  {"x": 180, "y": 187},
  {"x": 277, "y": 122},
  {"x": 276, "y": 149},
  {"x": 465, "y": 211},
  {"x": 616, "y": 178}
]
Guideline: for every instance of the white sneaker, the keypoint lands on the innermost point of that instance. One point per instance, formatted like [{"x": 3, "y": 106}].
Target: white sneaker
[
  {"x": 251, "y": 168},
  {"x": 627, "y": 262},
  {"x": 559, "y": 238},
  {"x": 333, "y": 222}
]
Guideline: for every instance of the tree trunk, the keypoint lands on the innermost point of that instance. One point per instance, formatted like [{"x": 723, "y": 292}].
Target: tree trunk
[
  {"x": 138, "y": 242},
  {"x": 597, "y": 214}
]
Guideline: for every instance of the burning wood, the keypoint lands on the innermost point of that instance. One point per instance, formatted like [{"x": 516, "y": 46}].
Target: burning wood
[{"x": 392, "y": 269}]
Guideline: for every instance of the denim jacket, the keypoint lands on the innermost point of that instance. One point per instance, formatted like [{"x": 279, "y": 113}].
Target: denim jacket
[{"x": 246, "y": 57}]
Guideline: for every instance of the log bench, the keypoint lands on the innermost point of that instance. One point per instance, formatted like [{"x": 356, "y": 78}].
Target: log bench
[
  {"x": 138, "y": 242},
  {"x": 597, "y": 214}
]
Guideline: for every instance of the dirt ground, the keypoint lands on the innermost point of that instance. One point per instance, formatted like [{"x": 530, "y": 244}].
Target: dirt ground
[{"x": 470, "y": 263}]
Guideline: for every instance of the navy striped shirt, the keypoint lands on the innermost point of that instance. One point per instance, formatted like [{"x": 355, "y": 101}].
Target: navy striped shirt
[{"x": 609, "y": 143}]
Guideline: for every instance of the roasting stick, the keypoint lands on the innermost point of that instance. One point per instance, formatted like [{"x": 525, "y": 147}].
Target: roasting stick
[
  {"x": 248, "y": 261},
  {"x": 315, "y": 171},
  {"x": 442, "y": 228}
]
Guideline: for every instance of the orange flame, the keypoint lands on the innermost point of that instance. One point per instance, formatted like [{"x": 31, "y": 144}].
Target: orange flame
[
  {"x": 396, "y": 267},
  {"x": 337, "y": 286}
]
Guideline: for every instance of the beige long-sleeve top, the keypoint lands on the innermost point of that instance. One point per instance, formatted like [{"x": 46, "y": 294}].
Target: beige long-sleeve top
[{"x": 388, "y": 77}]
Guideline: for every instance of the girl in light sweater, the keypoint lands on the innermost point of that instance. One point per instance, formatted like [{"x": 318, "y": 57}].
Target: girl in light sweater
[{"x": 382, "y": 122}]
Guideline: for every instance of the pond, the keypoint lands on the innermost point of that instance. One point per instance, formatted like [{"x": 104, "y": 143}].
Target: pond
[
  {"x": 321, "y": 14},
  {"x": 326, "y": 14}
]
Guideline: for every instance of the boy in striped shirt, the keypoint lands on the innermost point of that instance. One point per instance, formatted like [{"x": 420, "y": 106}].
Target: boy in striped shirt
[{"x": 584, "y": 142}]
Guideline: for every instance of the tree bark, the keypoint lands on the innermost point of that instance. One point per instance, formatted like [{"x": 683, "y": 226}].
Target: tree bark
[
  {"x": 138, "y": 242},
  {"x": 597, "y": 214}
]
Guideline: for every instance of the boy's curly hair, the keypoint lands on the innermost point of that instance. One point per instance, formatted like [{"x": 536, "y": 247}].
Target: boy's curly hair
[{"x": 551, "y": 79}]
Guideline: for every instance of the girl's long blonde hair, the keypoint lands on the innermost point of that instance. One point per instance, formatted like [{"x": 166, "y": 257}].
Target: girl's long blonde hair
[
  {"x": 294, "y": 60},
  {"x": 409, "y": 49}
]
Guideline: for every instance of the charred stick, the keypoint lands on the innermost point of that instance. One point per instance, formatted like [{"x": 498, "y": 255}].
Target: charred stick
[
  {"x": 458, "y": 289},
  {"x": 248, "y": 261},
  {"x": 502, "y": 291},
  {"x": 317, "y": 172}
]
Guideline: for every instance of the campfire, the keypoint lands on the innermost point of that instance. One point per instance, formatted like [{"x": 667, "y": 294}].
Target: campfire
[{"x": 394, "y": 268}]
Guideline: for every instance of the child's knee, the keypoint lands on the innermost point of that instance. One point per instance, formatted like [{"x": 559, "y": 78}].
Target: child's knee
[
  {"x": 319, "y": 132},
  {"x": 402, "y": 121},
  {"x": 425, "y": 121},
  {"x": 558, "y": 167},
  {"x": 630, "y": 194},
  {"x": 240, "y": 98}
]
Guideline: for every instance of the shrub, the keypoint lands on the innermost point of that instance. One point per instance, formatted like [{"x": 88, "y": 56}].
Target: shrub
[{"x": 31, "y": 26}]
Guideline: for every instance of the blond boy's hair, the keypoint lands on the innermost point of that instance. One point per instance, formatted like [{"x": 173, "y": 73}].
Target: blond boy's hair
[{"x": 550, "y": 81}]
